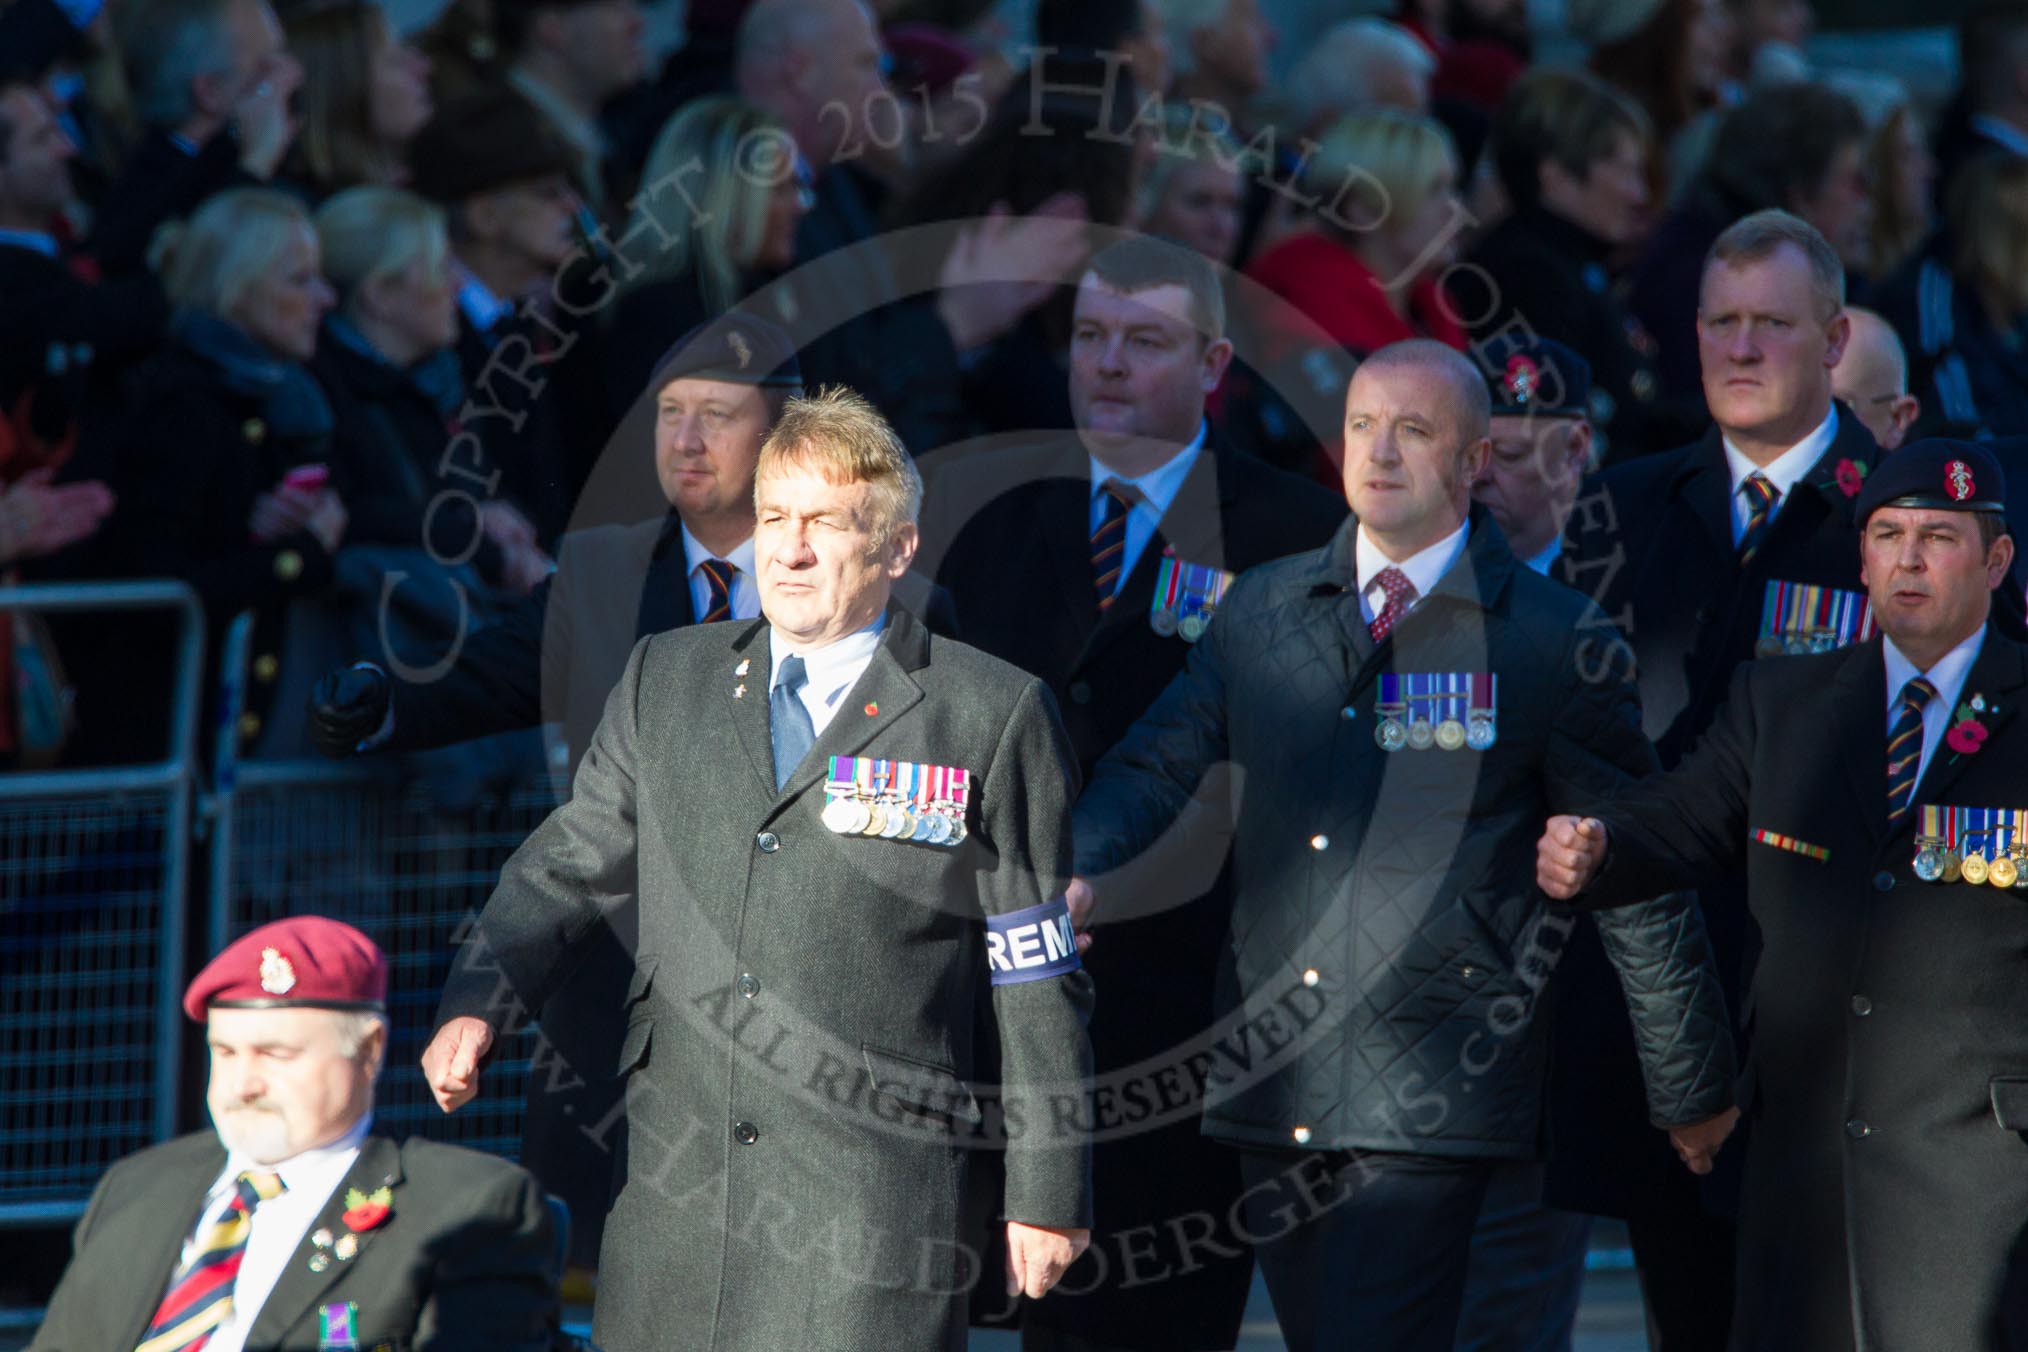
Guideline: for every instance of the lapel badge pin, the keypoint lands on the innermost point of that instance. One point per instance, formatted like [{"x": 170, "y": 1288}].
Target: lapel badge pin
[
  {"x": 320, "y": 1261},
  {"x": 739, "y": 691},
  {"x": 745, "y": 665},
  {"x": 322, "y": 1239},
  {"x": 347, "y": 1248},
  {"x": 872, "y": 709}
]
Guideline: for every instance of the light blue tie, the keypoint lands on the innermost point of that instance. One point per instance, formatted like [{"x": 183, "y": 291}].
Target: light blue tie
[{"x": 788, "y": 721}]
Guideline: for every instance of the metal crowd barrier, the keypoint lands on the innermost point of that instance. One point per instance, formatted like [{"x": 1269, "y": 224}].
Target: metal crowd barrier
[
  {"x": 351, "y": 840},
  {"x": 93, "y": 871}
]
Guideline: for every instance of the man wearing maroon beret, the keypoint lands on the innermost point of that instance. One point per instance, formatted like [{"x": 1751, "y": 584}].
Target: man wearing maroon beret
[{"x": 291, "y": 1227}]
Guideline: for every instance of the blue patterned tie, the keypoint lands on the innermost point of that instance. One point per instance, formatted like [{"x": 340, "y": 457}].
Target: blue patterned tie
[
  {"x": 1761, "y": 497},
  {"x": 1904, "y": 748},
  {"x": 789, "y": 724}
]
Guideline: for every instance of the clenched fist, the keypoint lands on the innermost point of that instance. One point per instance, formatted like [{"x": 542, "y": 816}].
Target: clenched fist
[
  {"x": 1569, "y": 853},
  {"x": 451, "y": 1062}
]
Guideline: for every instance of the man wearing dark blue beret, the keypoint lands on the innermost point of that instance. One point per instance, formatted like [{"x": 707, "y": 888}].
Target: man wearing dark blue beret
[{"x": 1872, "y": 797}]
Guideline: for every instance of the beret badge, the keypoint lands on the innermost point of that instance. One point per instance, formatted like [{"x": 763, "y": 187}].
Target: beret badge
[
  {"x": 741, "y": 349},
  {"x": 1958, "y": 480},
  {"x": 278, "y": 974},
  {"x": 1522, "y": 377}
]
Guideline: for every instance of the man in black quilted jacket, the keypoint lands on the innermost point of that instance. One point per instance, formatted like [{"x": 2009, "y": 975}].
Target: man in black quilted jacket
[{"x": 1378, "y": 726}]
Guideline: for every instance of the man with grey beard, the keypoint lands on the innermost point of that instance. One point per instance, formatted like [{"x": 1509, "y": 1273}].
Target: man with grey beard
[{"x": 291, "y": 1226}]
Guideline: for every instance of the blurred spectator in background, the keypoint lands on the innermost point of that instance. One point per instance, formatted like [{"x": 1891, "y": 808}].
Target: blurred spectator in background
[
  {"x": 1194, "y": 190},
  {"x": 1871, "y": 379},
  {"x": 67, "y": 47},
  {"x": 463, "y": 53},
  {"x": 1768, "y": 38},
  {"x": 1898, "y": 166},
  {"x": 212, "y": 85},
  {"x": 365, "y": 95},
  {"x": 570, "y": 58},
  {"x": 1480, "y": 47},
  {"x": 1088, "y": 29},
  {"x": 1572, "y": 155},
  {"x": 723, "y": 224},
  {"x": 1018, "y": 199},
  {"x": 503, "y": 176},
  {"x": 389, "y": 356},
  {"x": 1218, "y": 51},
  {"x": 1991, "y": 112},
  {"x": 1666, "y": 55},
  {"x": 1800, "y": 147},
  {"x": 224, "y": 469},
  {"x": 1360, "y": 63},
  {"x": 1962, "y": 308},
  {"x": 65, "y": 337},
  {"x": 1365, "y": 276}
]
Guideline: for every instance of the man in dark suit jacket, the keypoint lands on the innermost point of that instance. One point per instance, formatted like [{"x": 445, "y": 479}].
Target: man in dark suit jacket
[
  {"x": 292, "y": 1227},
  {"x": 1376, "y": 717},
  {"x": 1013, "y": 541},
  {"x": 1740, "y": 543},
  {"x": 1886, "y": 1199},
  {"x": 848, "y": 842}
]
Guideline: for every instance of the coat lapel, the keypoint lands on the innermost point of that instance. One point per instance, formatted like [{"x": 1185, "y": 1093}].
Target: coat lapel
[
  {"x": 1065, "y": 526},
  {"x": 665, "y": 590},
  {"x": 171, "y": 1211},
  {"x": 297, "y": 1289},
  {"x": 1858, "y": 714},
  {"x": 1191, "y": 528},
  {"x": 1707, "y": 488},
  {"x": 884, "y": 692},
  {"x": 747, "y": 696},
  {"x": 1998, "y": 675}
]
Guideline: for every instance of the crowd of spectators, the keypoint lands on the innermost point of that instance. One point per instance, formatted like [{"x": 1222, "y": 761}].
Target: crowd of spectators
[{"x": 305, "y": 310}]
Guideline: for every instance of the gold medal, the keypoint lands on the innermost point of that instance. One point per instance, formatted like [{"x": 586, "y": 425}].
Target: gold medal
[
  {"x": 1450, "y": 735},
  {"x": 2004, "y": 872},
  {"x": 876, "y": 819},
  {"x": 1951, "y": 866},
  {"x": 1973, "y": 869}
]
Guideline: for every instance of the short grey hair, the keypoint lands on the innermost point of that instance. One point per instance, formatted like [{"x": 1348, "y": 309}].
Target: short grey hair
[
  {"x": 1471, "y": 403},
  {"x": 844, "y": 438},
  {"x": 371, "y": 231},
  {"x": 352, "y": 1027},
  {"x": 1341, "y": 64},
  {"x": 1752, "y": 239},
  {"x": 168, "y": 45}
]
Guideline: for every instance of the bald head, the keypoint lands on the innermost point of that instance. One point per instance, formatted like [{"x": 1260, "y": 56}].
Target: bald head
[
  {"x": 1416, "y": 420},
  {"x": 1871, "y": 378},
  {"x": 795, "y": 56}
]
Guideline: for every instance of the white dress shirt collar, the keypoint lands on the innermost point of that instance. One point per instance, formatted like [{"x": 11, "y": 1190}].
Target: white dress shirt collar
[
  {"x": 832, "y": 669},
  {"x": 1547, "y": 557},
  {"x": 745, "y": 592},
  {"x": 1947, "y": 674},
  {"x": 1159, "y": 486},
  {"x": 2004, "y": 134},
  {"x": 1424, "y": 568},
  {"x": 1787, "y": 469}
]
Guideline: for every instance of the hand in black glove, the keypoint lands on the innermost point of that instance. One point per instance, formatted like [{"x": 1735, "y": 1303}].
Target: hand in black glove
[{"x": 347, "y": 707}]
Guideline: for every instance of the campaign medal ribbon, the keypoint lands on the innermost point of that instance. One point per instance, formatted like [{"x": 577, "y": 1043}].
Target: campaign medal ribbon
[
  {"x": 1390, "y": 712},
  {"x": 1791, "y": 844},
  {"x": 1203, "y": 588},
  {"x": 1929, "y": 843},
  {"x": 1482, "y": 714},
  {"x": 338, "y": 1327},
  {"x": 1798, "y": 618},
  {"x": 1162, "y": 613}
]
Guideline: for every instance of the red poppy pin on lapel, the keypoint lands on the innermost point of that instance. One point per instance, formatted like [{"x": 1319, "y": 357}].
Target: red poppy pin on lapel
[
  {"x": 1968, "y": 734},
  {"x": 367, "y": 1211}
]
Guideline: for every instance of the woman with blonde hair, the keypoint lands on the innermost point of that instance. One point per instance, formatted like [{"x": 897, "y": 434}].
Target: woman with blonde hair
[
  {"x": 224, "y": 468},
  {"x": 1194, "y": 188},
  {"x": 365, "y": 94},
  {"x": 721, "y": 194}
]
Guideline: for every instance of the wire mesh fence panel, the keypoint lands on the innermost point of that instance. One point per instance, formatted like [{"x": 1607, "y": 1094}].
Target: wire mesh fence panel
[
  {"x": 82, "y": 886},
  {"x": 412, "y": 878}
]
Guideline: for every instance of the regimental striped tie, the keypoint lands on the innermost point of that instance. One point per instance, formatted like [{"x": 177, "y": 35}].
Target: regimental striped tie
[
  {"x": 1109, "y": 541},
  {"x": 718, "y": 576},
  {"x": 1904, "y": 748},
  {"x": 1761, "y": 496},
  {"x": 200, "y": 1294}
]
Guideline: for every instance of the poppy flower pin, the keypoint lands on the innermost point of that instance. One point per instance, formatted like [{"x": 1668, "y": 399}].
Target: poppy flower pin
[
  {"x": 1851, "y": 477},
  {"x": 367, "y": 1211},
  {"x": 1967, "y": 734}
]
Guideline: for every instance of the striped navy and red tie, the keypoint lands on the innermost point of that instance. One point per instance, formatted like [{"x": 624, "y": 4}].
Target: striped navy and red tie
[
  {"x": 1109, "y": 541},
  {"x": 718, "y": 575},
  {"x": 1904, "y": 747},
  {"x": 200, "y": 1294}
]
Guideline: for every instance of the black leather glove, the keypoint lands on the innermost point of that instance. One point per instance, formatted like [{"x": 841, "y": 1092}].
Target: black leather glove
[{"x": 347, "y": 707}]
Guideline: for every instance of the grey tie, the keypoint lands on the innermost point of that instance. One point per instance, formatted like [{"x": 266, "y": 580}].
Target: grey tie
[{"x": 788, "y": 721}]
